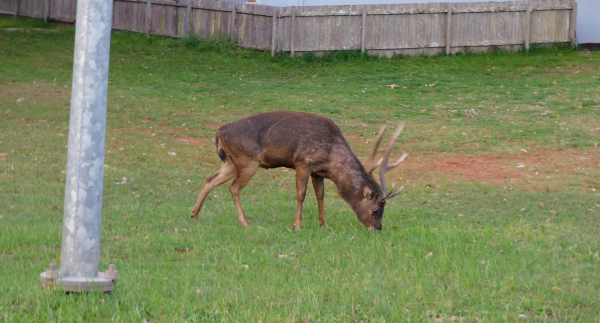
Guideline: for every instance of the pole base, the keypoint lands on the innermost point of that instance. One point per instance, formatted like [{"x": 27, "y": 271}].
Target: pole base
[{"x": 104, "y": 282}]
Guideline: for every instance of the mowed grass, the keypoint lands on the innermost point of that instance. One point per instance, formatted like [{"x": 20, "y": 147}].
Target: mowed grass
[{"x": 499, "y": 220}]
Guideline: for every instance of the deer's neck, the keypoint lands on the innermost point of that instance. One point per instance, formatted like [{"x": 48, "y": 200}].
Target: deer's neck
[{"x": 350, "y": 177}]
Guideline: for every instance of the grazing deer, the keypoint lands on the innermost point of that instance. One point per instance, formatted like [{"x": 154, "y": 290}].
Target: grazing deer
[{"x": 312, "y": 145}]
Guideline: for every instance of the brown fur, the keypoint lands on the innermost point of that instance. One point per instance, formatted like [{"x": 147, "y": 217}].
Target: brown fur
[{"x": 313, "y": 145}]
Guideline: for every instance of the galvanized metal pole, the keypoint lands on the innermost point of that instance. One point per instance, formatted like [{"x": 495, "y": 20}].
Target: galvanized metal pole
[{"x": 85, "y": 161}]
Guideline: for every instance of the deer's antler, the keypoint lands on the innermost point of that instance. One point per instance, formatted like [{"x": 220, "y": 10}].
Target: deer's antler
[
  {"x": 385, "y": 167},
  {"x": 371, "y": 165}
]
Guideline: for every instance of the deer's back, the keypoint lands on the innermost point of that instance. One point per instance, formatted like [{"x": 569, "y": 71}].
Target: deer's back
[{"x": 282, "y": 139}]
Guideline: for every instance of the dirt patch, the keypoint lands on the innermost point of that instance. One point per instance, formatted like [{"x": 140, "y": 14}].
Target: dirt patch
[
  {"x": 191, "y": 141},
  {"x": 136, "y": 130},
  {"x": 170, "y": 135},
  {"x": 113, "y": 239},
  {"x": 214, "y": 125},
  {"x": 35, "y": 93},
  {"x": 532, "y": 166}
]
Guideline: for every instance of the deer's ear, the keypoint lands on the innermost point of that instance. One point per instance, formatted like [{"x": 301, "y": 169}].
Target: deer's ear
[{"x": 367, "y": 193}]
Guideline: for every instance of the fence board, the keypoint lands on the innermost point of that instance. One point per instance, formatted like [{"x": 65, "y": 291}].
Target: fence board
[
  {"x": 129, "y": 15},
  {"x": 32, "y": 8},
  {"x": 550, "y": 26},
  {"x": 8, "y": 6},
  {"x": 61, "y": 10},
  {"x": 254, "y": 27},
  {"x": 212, "y": 20}
]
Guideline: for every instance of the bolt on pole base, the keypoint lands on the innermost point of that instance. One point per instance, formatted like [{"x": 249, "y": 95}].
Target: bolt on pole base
[{"x": 104, "y": 282}]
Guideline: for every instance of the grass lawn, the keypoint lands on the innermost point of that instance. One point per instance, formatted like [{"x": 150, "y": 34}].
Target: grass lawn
[{"x": 499, "y": 219}]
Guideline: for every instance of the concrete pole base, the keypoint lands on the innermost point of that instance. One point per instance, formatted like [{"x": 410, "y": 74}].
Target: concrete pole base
[{"x": 104, "y": 282}]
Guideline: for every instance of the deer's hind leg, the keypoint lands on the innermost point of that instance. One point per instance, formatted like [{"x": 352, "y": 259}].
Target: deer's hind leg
[
  {"x": 224, "y": 174},
  {"x": 243, "y": 176}
]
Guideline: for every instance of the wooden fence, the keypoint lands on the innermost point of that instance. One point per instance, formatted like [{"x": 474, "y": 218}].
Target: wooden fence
[{"x": 377, "y": 29}]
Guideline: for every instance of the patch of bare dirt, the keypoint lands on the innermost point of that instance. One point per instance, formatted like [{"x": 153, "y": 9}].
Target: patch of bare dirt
[
  {"x": 169, "y": 134},
  {"x": 35, "y": 93},
  {"x": 191, "y": 141},
  {"x": 499, "y": 168},
  {"x": 214, "y": 125}
]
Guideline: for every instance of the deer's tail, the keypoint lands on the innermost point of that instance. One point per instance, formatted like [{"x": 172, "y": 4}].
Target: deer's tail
[{"x": 220, "y": 150}]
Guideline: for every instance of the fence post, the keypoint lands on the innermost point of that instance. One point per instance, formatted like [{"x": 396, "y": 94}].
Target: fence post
[
  {"x": 292, "y": 30},
  {"x": 82, "y": 217},
  {"x": 274, "y": 33},
  {"x": 232, "y": 22},
  {"x": 148, "y": 16},
  {"x": 449, "y": 32},
  {"x": 363, "y": 45},
  {"x": 573, "y": 25},
  {"x": 528, "y": 26},
  {"x": 46, "y": 10},
  {"x": 188, "y": 19},
  {"x": 18, "y": 7}
]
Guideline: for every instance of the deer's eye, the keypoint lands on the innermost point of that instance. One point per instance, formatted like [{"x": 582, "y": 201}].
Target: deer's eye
[{"x": 375, "y": 211}]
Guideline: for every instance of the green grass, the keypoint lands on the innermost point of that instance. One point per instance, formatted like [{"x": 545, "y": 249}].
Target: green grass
[{"x": 526, "y": 243}]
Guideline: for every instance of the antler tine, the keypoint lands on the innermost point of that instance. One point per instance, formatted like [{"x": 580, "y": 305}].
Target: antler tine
[
  {"x": 385, "y": 167},
  {"x": 371, "y": 164},
  {"x": 400, "y": 160},
  {"x": 392, "y": 194}
]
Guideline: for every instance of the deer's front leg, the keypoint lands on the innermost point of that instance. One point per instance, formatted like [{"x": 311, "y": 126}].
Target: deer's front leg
[
  {"x": 319, "y": 186},
  {"x": 302, "y": 175}
]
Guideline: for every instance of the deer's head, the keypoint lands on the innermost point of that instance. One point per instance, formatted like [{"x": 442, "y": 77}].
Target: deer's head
[{"x": 370, "y": 208}]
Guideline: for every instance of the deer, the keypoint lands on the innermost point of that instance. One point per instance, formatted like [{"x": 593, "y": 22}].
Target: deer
[{"x": 315, "y": 147}]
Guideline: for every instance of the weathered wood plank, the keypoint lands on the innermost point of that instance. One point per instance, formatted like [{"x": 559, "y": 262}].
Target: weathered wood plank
[
  {"x": 232, "y": 21},
  {"x": 46, "y": 10},
  {"x": 449, "y": 32},
  {"x": 31, "y": 8},
  {"x": 148, "y": 17},
  {"x": 292, "y": 30},
  {"x": 573, "y": 25},
  {"x": 528, "y": 26},
  {"x": 9, "y": 7},
  {"x": 363, "y": 28},
  {"x": 188, "y": 19},
  {"x": 274, "y": 34}
]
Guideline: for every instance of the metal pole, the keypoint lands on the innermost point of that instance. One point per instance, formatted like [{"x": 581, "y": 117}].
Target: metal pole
[{"x": 85, "y": 161}]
